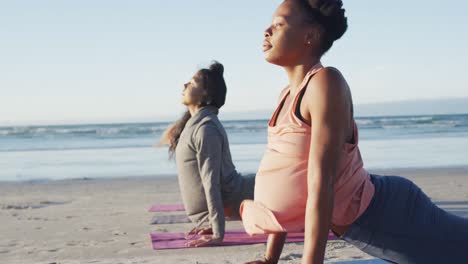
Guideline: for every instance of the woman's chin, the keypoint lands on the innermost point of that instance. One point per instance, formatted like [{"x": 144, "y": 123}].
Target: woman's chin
[
  {"x": 272, "y": 60},
  {"x": 268, "y": 57}
]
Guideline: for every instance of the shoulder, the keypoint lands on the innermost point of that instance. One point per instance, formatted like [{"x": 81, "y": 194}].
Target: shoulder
[
  {"x": 327, "y": 84},
  {"x": 330, "y": 78},
  {"x": 208, "y": 127}
]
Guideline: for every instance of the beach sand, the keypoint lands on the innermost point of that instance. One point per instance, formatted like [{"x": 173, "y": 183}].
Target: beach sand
[{"x": 107, "y": 220}]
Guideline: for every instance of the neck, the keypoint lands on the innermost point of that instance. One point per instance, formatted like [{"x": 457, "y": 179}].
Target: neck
[
  {"x": 193, "y": 109},
  {"x": 296, "y": 74}
]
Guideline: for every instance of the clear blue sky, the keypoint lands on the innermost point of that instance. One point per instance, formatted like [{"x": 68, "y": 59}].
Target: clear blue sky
[{"x": 68, "y": 61}]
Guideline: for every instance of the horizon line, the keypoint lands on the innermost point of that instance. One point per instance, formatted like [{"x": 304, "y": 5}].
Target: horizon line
[{"x": 242, "y": 115}]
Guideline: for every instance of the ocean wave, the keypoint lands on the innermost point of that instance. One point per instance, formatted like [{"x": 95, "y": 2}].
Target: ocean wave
[
  {"x": 85, "y": 130},
  {"x": 71, "y": 148},
  {"x": 413, "y": 122},
  {"x": 242, "y": 126},
  {"x": 250, "y": 126},
  {"x": 418, "y": 126}
]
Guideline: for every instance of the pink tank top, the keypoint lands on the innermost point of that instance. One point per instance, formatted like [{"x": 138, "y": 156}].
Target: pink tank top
[{"x": 281, "y": 181}]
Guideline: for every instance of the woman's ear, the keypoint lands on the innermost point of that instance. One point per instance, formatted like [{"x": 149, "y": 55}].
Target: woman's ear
[
  {"x": 205, "y": 98},
  {"x": 308, "y": 38},
  {"x": 313, "y": 36}
]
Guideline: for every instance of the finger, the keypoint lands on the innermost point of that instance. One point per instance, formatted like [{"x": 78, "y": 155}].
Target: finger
[
  {"x": 194, "y": 231},
  {"x": 191, "y": 243},
  {"x": 206, "y": 230},
  {"x": 203, "y": 242},
  {"x": 209, "y": 230},
  {"x": 191, "y": 232},
  {"x": 196, "y": 243},
  {"x": 190, "y": 236}
]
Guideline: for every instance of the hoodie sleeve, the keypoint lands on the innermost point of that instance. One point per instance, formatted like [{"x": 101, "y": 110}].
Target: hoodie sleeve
[{"x": 209, "y": 145}]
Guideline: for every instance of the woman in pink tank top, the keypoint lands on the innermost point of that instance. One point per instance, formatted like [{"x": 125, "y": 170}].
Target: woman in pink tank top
[{"x": 311, "y": 177}]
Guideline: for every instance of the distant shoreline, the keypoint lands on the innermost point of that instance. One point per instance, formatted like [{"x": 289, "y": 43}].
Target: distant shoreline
[
  {"x": 165, "y": 121},
  {"x": 421, "y": 107}
]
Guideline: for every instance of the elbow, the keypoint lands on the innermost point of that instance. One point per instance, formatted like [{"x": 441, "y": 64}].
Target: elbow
[
  {"x": 321, "y": 190},
  {"x": 321, "y": 182}
]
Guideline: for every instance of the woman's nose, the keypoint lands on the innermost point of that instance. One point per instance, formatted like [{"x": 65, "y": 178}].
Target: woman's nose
[{"x": 267, "y": 32}]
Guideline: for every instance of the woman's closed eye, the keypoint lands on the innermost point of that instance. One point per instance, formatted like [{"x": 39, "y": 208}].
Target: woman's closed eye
[{"x": 277, "y": 25}]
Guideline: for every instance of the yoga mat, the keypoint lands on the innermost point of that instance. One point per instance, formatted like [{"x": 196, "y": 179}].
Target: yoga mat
[
  {"x": 366, "y": 261},
  {"x": 166, "y": 208},
  {"x": 231, "y": 238},
  {"x": 169, "y": 219}
]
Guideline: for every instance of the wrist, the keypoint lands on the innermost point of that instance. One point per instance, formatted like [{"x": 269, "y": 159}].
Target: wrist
[
  {"x": 217, "y": 235},
  {"x": 218, "y": 231},
  {"x": 216, "y": 240},
  {"x": 307, "y": 259},
  {"x": 269, "y": 260}
]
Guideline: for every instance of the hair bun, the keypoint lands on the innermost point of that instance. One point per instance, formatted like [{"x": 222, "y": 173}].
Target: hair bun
[
  {"x": 217, "y": 67},
  {"x": 330, "y": 8},
  {"x": 333, "y": 14}
]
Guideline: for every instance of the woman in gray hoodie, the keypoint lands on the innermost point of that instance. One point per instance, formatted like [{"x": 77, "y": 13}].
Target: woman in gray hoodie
[{"x": 211, "y": 187}]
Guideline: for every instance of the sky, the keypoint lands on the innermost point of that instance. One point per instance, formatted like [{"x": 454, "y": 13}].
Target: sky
[{"x": 89, "y": 60}]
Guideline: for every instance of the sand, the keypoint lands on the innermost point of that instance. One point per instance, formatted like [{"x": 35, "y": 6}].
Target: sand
[{"x": 107, "y": 220}]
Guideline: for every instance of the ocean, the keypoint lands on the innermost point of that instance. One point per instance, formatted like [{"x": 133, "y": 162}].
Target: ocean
[{"x": 127, "y": 150}]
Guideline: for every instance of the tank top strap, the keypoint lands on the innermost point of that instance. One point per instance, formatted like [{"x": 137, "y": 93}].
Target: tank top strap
[
  {"x": 274, "y": 118},
  {"x": 316, "y": 68},
  {"x": 286, "y": 92}
]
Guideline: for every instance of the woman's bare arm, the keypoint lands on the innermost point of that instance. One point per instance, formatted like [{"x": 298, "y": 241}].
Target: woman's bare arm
[
  {"x": 274, "y": 248},
  {"x": 327, "y": 102}
]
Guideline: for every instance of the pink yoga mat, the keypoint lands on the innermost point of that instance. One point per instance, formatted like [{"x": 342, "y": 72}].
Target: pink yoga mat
[
  {"x": 231, "y": 238},
  {"x": 166, "y": 208}
]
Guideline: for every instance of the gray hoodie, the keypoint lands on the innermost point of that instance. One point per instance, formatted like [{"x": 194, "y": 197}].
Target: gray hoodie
[{"x": 208, "y": 179}]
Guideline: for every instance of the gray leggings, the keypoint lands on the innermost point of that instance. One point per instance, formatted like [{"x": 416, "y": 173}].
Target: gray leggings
[{"x": 402, "y": 225}]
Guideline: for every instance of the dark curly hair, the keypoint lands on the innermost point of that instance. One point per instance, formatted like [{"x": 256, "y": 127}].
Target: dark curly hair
[
  {"x": 329, "y": 15},
  {"x": 215, "y": 87}
]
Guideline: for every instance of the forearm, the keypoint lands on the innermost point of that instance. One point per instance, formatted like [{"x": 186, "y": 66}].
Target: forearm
[
  {"x": 214, "y": 200},
  {"x": 215, "y": 210},
  {"x": 319, "y": 211},
  {"x": 209, "y": 158},
  {"x": 274, "y": 247}
]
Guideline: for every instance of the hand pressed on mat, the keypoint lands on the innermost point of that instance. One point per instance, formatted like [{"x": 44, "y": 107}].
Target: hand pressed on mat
[
  {"x": 205, "y": 241},
  {"x": 199, "y": 231},
  {"x": 274, "y": 247}
]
